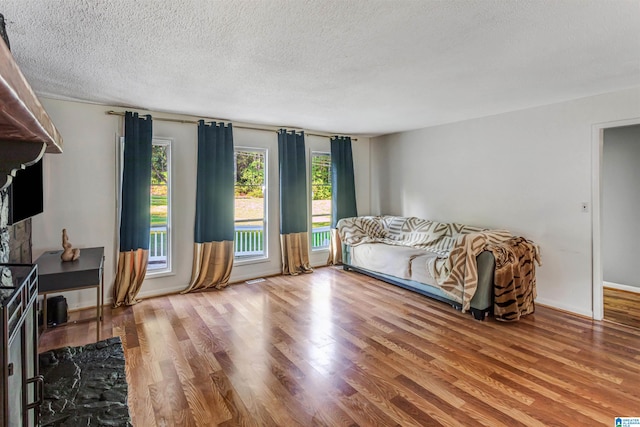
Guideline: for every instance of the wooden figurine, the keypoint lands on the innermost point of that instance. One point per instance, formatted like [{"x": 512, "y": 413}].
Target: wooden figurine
[{"x": 69, "y": 253}]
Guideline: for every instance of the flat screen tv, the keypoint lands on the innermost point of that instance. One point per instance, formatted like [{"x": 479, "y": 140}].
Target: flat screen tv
[{"x": 26, "y": 193}]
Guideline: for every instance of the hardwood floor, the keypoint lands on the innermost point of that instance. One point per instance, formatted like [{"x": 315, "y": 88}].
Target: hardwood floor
[
  {"x": 622, "y": 307},
  {"x": 337, "y": 348}
]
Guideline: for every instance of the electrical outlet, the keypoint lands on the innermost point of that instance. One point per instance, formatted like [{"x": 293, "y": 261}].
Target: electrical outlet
[{"x": 584, "y": 207}]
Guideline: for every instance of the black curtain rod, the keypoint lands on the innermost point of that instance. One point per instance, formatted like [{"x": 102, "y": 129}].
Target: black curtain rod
[{"x": 195, "y": 122}]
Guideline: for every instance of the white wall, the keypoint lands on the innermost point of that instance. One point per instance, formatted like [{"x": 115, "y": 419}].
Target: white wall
[
  {"x": 80, "y": 192},
  {"x": 620, "y": 205},
  {"x": 527, "y": 171}
]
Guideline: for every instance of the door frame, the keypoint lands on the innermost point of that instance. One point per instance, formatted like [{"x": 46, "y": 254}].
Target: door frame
[{"x": 597, "y": 144}]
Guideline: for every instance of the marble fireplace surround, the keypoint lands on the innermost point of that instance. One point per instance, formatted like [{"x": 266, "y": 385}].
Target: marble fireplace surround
[{"x": 15, "y": 240}]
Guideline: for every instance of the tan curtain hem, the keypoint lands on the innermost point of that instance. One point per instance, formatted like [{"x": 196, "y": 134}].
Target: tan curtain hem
[
  {"x": 335, "y": 248},
  {"x": 132, "y": 269},
  {"x": 295, "y": 253},
  {"x": 212, "y": 265}
]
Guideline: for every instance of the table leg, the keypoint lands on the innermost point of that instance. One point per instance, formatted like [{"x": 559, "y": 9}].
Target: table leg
[
  {"x": 98, "y": 312},
  {"x": 102, "y": 294},
  {"x": 44, "y": 313}
]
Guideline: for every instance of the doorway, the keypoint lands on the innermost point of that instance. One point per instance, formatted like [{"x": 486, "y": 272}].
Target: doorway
[
  {"x": 621, "y": 306},
  {"x": 611, "y": 241}
]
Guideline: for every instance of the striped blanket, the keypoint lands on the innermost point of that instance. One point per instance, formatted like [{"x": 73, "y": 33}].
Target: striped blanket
[{"x": 457, "y": 246}]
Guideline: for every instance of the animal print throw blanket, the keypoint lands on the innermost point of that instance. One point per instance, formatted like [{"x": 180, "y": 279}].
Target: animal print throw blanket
[
  {"x": 514, "y": 278},
  {"x": 457, "y": 246}
]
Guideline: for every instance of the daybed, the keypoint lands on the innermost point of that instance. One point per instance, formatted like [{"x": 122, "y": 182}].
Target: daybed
[{"x": 473, "y": 269}]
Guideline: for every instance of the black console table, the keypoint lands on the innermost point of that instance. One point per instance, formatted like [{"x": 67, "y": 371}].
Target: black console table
[{"x": 55, "y": 276}]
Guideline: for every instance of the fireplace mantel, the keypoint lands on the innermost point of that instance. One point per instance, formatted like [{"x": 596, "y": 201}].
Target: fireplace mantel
[{"x": 26, "y": 131}]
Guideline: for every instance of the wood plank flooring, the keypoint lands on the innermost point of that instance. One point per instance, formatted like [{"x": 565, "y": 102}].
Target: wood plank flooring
[
  {"x": 337, "y": 348},
  {"x": 622, "y": 307}
]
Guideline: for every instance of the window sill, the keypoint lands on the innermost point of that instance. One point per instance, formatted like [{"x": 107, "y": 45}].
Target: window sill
[
  {"x": 246, "y": 261},
  {"x": 158, "y": 274}
]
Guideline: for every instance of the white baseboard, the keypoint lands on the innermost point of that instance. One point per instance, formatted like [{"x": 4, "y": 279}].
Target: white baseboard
[
  {"x": 253, "y": 275},
  {"x": 108, "y": 299},
  {"x": 157, "y": 292},
  {"x": 563, "y": 307},
  {"x": 628, "y": 288}
]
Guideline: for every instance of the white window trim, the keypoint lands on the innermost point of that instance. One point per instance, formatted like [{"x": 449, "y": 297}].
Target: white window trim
[
  {"x": 168, "y": 271},
  {"x": 321, "y": 153},
  {"x": 256, "y": 259}
]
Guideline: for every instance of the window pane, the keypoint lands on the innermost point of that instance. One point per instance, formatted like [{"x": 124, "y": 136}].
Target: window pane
[
  {"x": 320, "y": 200},
  {"x": 250, "y": 203},
  {"x": 159, "y": 234}
]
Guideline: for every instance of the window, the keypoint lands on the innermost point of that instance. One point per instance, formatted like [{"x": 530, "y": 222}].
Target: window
[
  {"x": 320, "y": 200},
  {"x": 160, "y": 234},
  {"x": 250, "y": 203}
]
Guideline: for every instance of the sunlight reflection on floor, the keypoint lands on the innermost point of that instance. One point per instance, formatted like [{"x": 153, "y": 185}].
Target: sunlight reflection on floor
[{"x": 322, "y": 352}]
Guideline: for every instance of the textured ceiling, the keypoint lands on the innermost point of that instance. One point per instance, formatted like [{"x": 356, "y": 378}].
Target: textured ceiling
[{"x": 352, "y": 67}]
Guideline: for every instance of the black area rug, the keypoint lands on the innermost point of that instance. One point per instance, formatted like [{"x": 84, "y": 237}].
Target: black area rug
[{"x": 85, "y": 386}]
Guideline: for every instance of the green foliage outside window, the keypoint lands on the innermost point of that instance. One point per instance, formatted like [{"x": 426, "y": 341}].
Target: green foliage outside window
[
  {"x": 249, "y": 174},
  {"x": 159, "y": 165},
  {"x": 321, "y": 176},
  {"x": 159, "y": 182}
]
